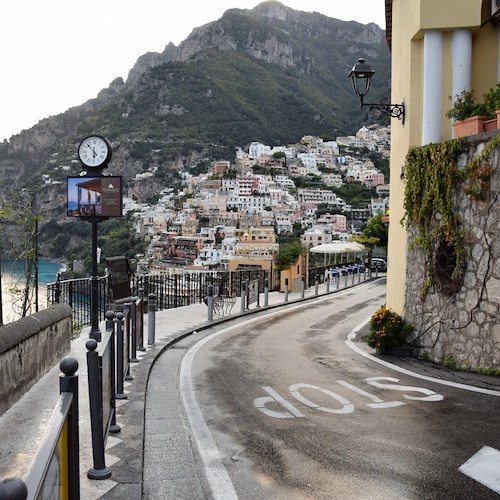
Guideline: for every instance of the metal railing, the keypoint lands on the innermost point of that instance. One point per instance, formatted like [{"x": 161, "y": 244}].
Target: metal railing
[{"x": 171, "y": 290}]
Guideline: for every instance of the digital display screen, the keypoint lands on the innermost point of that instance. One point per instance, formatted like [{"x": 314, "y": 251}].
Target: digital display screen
[{"x": 94, "y": 197}]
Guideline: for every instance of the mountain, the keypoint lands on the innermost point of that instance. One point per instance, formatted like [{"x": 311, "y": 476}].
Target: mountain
[{"x": 269, "y": 74}]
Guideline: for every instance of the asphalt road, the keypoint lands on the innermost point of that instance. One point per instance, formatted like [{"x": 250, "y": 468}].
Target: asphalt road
[{"x": 283, "y": 407}]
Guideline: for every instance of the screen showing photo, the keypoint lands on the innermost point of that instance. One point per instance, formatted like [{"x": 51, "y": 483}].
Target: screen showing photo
[{"x": 94, "y": 197}]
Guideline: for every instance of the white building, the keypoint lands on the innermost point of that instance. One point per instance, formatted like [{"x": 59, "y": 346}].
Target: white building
[{"x": 256, "y": 150}]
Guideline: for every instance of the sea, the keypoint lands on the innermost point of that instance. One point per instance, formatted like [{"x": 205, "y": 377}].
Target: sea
[{"x": 12, "y": 272}]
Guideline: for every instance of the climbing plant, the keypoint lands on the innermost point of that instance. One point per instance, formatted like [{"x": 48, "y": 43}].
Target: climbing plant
[{"x": 432, "y": 180}]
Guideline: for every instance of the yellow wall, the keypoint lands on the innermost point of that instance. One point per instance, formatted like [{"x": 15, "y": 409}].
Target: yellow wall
[{"x": 410, "y": 19}]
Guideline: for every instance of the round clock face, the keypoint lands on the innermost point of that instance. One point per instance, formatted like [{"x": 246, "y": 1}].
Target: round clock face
[{"x": 94, "y": 151}]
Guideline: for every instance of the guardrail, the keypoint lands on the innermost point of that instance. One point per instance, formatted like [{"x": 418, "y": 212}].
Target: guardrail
[{"x": 55, "y": 471}]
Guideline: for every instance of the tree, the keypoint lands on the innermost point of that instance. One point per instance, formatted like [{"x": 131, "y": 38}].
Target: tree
[
  {"x": 377, "y": 228},
  {"x": 375, "y": 234},
  {"x": 19, "y": 228},
  {"x": 288, "y": 254}
]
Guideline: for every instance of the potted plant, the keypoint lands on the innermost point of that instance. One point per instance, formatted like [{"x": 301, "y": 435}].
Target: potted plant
[
  {"x": 468, "y": 115},
  {"x": 492, "y": 104}
]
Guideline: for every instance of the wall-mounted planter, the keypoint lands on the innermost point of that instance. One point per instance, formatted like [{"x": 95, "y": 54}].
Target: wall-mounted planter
[
  {"x": 490, "y": 124},
  {"x": 469, "y": 126}
]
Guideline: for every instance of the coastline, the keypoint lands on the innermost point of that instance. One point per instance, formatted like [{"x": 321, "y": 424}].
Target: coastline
[{"x": 12, "y": 285}]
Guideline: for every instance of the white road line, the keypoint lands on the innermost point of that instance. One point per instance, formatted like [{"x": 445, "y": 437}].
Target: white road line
[
  {"x": 217, "y": 475},
  {"x": 484, "y": 467},
  {"x": 456, "y": 385}
]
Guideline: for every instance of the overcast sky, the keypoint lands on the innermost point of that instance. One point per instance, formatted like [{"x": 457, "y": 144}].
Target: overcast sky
[{"x": 55, "y": 54}]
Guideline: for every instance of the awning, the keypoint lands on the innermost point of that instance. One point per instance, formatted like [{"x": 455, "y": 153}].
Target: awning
[
  {"x": 343, "y": 248},
  {"x": 339, "y": 247}
]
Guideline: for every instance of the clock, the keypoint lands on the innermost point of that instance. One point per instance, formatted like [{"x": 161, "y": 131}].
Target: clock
[{"x": 95, "y": 151}]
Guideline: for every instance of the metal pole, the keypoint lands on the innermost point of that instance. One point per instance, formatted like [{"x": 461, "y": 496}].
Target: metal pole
[
  {"x": 95, "y": 333},
  {"x": 286, "y": 289},
  {"x": 141, "y": 322},
  {"x": 247, "y": 293},
  {"x": 151, "y": 318},
  {"x": 243, "y": 295},
  {"x": 99, "y": 470},
  {"x": 133, "y": 335},
  {"x": 210, "y": 302},
  {"x": 302, "y": 287},
  {"x": 113, "y": 426},
  {"x": 68, "y": 382},
  {"x": 119, "y": 357},
  {"x": 316, "y": 286},
  {"x": 127, "y": 334},
  {"x": 266, "y": 292},
  {"x": 328, "y": 283}
]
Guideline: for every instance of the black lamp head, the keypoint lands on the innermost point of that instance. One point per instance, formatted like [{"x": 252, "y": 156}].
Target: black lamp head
[{"x": 361, "y": 72}]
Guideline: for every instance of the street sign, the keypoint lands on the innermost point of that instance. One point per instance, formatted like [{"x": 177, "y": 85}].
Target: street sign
[{"x": 253, "y": 291}]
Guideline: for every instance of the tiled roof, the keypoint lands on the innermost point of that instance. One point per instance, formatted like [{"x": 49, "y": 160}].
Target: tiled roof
[{"x": 388, "y": 22}]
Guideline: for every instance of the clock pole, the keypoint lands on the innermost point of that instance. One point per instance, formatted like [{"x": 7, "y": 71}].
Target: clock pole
[
  {"x": 95, "y": 152},
  {"x": 95, "y": 332}
]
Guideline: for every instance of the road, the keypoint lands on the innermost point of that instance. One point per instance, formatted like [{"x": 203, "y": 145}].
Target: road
[{"x": 295, "y": 410}]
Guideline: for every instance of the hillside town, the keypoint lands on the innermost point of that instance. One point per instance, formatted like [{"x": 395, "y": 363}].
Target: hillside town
[{"x": 232, "y": 216}]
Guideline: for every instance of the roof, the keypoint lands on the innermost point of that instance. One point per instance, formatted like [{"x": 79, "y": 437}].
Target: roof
[{"x": 388, "y": 22}]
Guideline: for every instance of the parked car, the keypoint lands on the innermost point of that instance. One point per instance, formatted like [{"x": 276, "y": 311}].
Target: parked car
[{"x": 378, "y": 263}]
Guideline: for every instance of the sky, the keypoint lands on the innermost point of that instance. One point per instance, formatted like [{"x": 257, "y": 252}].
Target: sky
[{"x": 55, "y": 54}]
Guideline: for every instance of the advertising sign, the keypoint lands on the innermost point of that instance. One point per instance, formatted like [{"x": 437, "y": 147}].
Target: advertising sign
[{"x": 94, "y": 197}]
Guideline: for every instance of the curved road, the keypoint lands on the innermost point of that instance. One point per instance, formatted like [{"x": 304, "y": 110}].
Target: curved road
[{"x": 294, "y": 410}]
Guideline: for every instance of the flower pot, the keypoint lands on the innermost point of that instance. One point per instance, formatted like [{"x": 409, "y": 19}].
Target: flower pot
[
  {"x": 469, "y": 126},
  {"x": 490, "y": 124}
]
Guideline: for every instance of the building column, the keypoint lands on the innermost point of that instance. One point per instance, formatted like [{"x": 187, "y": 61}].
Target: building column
[
  {"x": 461, "y": 62},
  {"x": 433, "y": 87}
]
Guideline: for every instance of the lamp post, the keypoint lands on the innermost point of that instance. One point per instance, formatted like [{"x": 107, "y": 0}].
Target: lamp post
[{"x": 361, "y": 75}]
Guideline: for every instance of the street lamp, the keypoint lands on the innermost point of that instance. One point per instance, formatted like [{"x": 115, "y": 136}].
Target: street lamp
[{"x": 361, "y": 76}]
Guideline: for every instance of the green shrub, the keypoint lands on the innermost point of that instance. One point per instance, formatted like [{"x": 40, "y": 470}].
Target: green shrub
[
  {"x": 387, "y": 329},
  {"x": 464, "y": 106},
  {"x": 492, "y": 100}
]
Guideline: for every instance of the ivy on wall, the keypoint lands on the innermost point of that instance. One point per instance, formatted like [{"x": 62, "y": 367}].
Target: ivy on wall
[{"x": 432, "y": 180}]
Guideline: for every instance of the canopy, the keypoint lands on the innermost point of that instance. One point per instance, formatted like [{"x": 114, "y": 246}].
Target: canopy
[
  {"x": 339, "y": 247},
  {"x": 336, "y": 248}
]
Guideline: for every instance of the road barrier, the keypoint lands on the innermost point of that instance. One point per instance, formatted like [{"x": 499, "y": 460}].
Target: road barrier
[{"x": 55, "y": 470}]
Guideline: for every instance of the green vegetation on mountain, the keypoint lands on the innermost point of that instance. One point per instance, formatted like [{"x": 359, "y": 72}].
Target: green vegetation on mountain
[{"x": 268, "y": 74}]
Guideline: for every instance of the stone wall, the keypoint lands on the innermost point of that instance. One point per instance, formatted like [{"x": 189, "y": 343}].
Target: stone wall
[
  {"x": 463, "y": 326},
  {"x": 29, "y": 348}
]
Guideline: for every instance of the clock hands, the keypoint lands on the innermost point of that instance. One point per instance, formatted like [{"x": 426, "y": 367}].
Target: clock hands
[{"x": 92, "y": 149}]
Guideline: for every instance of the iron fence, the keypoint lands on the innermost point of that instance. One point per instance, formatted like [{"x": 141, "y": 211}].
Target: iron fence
[{"x": 172, "y": 290}]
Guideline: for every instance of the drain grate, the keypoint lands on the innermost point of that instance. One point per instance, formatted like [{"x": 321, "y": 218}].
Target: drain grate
[{"x": 176, "y": 346}]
